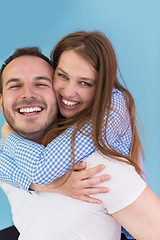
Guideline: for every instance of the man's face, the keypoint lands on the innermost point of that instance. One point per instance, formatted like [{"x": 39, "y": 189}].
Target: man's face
[{"x": 28, "y": 101}]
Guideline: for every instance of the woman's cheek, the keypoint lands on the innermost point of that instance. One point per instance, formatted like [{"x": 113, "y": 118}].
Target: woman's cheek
[{"x": 55, "y": 85}]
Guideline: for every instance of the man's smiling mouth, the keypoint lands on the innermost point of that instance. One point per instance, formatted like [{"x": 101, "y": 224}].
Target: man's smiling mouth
[{"x": 30, "y": 110}]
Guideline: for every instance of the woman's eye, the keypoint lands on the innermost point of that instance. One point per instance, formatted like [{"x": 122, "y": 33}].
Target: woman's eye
[
  {"x": 62, "y": 76},
  {"x": 86, "y": 84}
]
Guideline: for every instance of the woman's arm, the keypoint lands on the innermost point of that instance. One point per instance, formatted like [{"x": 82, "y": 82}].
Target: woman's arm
[
  {"x": 79, "y": 185},
  {"x": 142, "y": 217},
  {"x": 45, "y": 164},
  {"x": 11, "y": 174}
]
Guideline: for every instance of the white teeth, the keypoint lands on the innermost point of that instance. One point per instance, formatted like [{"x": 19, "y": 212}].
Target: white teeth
[
  {"x": 69, "y": 103},
  {"x": 29, "y": 110}
]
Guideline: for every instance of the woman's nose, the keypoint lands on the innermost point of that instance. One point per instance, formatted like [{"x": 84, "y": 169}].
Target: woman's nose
[{"x": 70, "y": 90}]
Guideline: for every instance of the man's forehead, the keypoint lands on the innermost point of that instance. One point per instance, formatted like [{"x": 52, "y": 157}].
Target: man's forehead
[{"x": 27, "y": 65}]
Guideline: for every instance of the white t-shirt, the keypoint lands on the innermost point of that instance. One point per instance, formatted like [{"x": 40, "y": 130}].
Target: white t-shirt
[{"x": 53, "y": 216}]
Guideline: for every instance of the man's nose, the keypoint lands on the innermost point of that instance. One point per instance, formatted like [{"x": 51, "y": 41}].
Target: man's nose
[{"x": 28, "y": 92}]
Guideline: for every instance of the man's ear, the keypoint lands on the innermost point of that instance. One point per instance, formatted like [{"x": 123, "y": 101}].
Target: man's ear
[{"x": 1, "y": 103}]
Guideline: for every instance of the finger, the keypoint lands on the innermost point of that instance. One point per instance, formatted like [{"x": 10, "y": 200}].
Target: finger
[
  {"x": 90, "y": 199},
  {"x": 80, "y": 166},
  {"x": 96, "y": 190},
  {"x": 94, "y": 181},
  {"x": 91, "y": 171}
]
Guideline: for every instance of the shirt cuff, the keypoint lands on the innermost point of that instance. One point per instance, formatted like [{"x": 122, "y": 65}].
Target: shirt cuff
[{"x": 21, "y": 179}]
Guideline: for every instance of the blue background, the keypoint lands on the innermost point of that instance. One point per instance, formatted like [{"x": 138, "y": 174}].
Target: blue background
[{"x": 134, "y": 29}]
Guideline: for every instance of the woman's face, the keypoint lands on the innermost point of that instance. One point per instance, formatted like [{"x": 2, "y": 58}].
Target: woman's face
[{"x": 74, "y": 83}]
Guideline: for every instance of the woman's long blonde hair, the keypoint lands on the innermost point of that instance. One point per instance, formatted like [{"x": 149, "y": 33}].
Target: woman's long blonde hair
[{"x": 96, "y": 48}]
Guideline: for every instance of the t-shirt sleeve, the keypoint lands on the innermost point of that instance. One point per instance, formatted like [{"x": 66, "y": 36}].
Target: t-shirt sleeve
[{"x": 125, "y": 185}]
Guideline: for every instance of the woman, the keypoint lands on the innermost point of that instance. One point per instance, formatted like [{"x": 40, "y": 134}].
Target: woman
[
  {"x": 117, "y": 125},
  {"x": 115, "y": 115}
]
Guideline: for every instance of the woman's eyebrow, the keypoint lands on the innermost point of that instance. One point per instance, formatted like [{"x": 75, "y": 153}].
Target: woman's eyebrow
[
  {"x": 60, "y": 69},
  {"x": 83, "y": 78},
  {"x": 88, "y": 79}
]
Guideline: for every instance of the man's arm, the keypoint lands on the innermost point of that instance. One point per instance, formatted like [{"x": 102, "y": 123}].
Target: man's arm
[{"x": 142, "y": 217}]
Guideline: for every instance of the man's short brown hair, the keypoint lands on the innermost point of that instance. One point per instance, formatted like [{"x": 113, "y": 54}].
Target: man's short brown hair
[{"x": 26, "y": 51}]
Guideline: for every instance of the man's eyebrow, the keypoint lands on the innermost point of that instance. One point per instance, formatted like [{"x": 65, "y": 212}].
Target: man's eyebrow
[
  {"x": 43, "y": 78},
  {"x": 12, "y": 80}
]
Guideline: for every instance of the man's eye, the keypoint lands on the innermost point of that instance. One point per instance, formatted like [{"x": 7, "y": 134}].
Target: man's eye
[
  {"x": 42, "y": 84},
  {"x": 15, "y": 86}
]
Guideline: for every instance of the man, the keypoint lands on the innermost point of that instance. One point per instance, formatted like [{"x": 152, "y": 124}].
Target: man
[
  {"x": 28, "y": 101},
  {"x": 29, "y": 106}
]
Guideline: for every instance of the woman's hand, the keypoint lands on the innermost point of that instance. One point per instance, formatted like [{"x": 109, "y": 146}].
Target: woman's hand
[
  {"x": 6, "y": 130},
  {"x": 79, "y": 185}
]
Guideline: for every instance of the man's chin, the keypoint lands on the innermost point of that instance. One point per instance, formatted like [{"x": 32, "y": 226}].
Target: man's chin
[{"x": 35, "y": 136}]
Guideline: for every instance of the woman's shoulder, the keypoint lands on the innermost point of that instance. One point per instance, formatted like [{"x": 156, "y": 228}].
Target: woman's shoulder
[
  {"x": 119, "y": 115},
  {"x": 118, "y": 101},
  {"x": 117, "y": 92}
]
